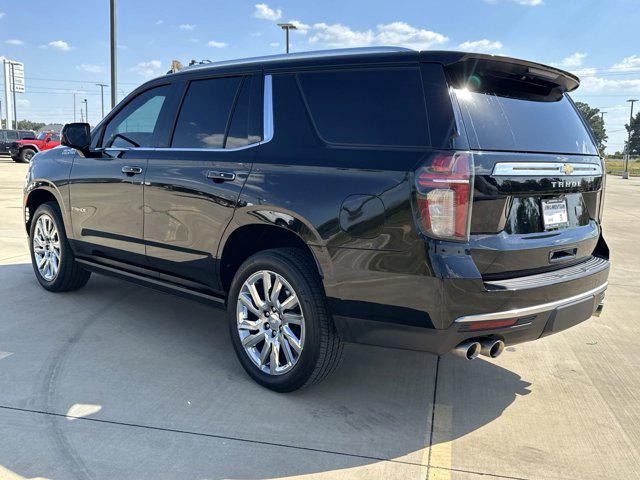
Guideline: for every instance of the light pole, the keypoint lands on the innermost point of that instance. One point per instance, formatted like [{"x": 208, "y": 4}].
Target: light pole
[
  {"x": 86, "y": 110},
  {"x": 102, "y": 85},
  {"x": 625, "y": 174},
  {"x": 114, "y": 46},
  {"x": 286, "y": 27}
]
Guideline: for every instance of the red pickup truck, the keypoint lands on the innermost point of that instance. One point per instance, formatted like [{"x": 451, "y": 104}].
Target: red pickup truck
[{"x": 24, "y": 150}]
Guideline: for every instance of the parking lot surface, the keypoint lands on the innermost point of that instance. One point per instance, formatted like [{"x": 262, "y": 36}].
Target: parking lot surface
[{"x": 116, "y": 381}]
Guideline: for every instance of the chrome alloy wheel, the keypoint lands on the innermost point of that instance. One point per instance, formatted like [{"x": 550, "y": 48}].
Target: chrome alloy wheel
[
  {"x": 270, "y": 322},
  {"x": 46, "y": 247}
]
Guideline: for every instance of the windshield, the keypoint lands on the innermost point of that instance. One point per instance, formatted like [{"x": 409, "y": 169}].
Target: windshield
[
  {"x": 496, "y": 122},
  {"x": 41, "y": 136}
]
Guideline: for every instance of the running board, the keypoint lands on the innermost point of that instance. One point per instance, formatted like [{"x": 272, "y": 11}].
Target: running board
[{"x": 153, "y": 283}]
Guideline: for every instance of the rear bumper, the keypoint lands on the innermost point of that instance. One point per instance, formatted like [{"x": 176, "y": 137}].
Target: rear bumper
[{"x": 538, "y": 307}]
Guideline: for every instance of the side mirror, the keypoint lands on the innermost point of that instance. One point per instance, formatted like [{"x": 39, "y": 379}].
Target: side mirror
[{"x": 77, "y": 135}]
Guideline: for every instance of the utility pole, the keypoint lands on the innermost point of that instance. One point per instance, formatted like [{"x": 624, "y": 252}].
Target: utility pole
[
  {"x": 13, "y": 87},
  {"x": 86, "y": 110},
  {"x": 114, "y": 47},
  {"x": 286, "y": 27},
  {"x": 602, "y": 114},
  {"x": 625, "y": 174},
  {"x": 102, "y": 85},
  {"x": 74, "y": 107}
]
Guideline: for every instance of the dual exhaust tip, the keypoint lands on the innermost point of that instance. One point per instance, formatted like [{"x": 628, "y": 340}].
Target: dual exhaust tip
[{"x": 487, "y": 347}]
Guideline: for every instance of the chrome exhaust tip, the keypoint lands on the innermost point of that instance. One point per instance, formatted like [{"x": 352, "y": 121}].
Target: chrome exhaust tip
[
  {"x": 491, "y": 348},
  {"x": 468, "y": 350}
]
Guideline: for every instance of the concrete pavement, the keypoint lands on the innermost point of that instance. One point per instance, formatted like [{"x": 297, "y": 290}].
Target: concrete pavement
[{"x": 119, "y": 381}]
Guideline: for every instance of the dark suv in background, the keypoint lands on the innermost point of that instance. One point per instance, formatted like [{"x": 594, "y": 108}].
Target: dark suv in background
[
  {"x": 7, "y": 137},
  {"x": 435, "y": 201}
]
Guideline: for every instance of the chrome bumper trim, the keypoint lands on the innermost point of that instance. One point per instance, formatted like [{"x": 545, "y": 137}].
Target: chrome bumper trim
[{"x": 526, "y": 311}]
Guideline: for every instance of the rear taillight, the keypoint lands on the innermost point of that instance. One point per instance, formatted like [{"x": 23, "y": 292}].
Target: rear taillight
[{"x": 444, "y": 190}]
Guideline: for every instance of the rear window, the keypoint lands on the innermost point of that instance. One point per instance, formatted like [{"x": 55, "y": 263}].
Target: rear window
[
  {"x": 496, "y": 122},
  {"x": 367, "y": 107}
]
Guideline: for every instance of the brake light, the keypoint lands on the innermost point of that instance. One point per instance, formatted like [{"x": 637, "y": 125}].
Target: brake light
[{"x": 443, "y": 196}]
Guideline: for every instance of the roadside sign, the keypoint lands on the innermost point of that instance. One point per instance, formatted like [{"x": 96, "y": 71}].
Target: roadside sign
[{"x": 17, "y": 70}]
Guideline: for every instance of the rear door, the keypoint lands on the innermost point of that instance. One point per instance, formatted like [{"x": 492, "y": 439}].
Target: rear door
[
  {"x": 538, "y": 175},
  {"x": 193, "y": 184},
  {"x": 106, "y": 192}
]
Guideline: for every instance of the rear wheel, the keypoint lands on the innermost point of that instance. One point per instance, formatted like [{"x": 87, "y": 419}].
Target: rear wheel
[
  {"x": 27, "y": 154},
  {"x": 51, "y": 256},
  {"x": 279, "y": 322}
]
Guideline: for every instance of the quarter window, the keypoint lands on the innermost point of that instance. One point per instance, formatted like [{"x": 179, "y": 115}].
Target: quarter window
[
  {"x": 205, "y": 111},
  {"x": 367, "y": 107},
  {"x": 135, "y": 124}
]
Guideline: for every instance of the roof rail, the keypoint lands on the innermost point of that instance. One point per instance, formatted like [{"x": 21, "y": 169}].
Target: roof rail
[{"x": 297, "y": 56}]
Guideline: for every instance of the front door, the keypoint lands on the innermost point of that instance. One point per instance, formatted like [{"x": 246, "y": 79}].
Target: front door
[
  {"x": 106, "y": 193},
  {"x": 192, "y": 187}
]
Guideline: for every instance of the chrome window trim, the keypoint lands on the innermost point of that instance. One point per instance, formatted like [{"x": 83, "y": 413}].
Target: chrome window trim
[
  {"x": 267, "y": 128},
  {"x": 526, "y": 311},
  {"x": 545, "y": 169}
]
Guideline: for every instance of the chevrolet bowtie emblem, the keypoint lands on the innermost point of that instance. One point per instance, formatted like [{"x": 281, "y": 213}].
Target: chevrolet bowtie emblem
[{"x": 567, "y": 169}]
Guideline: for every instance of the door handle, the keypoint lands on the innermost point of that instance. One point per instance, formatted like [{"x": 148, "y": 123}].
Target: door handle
[
  {"x": 131, "y": 170},
  {"x": 220, "y": 177}
]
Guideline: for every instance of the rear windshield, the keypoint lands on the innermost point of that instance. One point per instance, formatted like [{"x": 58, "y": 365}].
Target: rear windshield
[{"x": 501, "y": 123}]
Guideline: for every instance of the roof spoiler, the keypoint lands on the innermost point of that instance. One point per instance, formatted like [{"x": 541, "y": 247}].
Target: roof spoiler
[{"x": 499, "y": 70}]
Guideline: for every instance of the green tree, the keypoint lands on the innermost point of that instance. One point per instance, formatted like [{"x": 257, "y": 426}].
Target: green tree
[
  {"x": 29, "y": 125},
  {"x": 634, "y": 129},
  {"x": 594, "y": 119}
]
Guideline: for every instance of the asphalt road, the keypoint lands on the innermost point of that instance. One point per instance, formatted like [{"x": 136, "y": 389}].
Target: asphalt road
[{"x": 116, "y": 381}]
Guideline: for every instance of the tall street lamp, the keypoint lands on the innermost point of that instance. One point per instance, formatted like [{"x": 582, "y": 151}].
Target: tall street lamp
[
  {"x": 286, "y": 27},
  {"x": 625, "y": 174}
]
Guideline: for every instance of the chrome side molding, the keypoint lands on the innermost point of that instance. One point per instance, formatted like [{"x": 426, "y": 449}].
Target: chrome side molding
[{"x": 546, "y": 169}]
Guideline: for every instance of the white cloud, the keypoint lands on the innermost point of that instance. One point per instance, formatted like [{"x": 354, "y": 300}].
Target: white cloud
[
  {"x": 302, "y": 28},
  {"x": 483, "y": 45},
  {"x": 187, "y": 26},
  {"x": 87, "y": 67},
  {"x": 338, "y": 35},
  {"x": 14, "y": 41},
  {"x": 2, "y": 14},
  {"x": 148, "y": 69},
  {"x": 214, "y": 44},
  {"x": 256, "y": 34},
  {"x": 396, "y": 33},
  {"x": 528, "y": 3},
  {"x": 628, "y": 63},
  {"x": 572, "y": 61},
  {"x": 262, "y": 10},
  {"x": 274, "y": 44},
  {"x": 59, "y": 45},
  {"x": 159, "y": 22}
]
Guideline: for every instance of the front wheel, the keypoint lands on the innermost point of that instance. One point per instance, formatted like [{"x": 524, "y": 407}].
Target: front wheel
[
  {"x": 279, "y": 322},
  {"x": 51, "y": 255}
]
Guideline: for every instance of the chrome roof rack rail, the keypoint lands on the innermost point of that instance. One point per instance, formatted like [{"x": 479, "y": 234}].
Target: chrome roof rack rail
[{"x": 338, "y": 52}]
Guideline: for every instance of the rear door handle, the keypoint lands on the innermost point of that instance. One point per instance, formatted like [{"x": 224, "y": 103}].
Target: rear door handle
[
  {"x": 221, "y": 176},
  {"x": 131, "y": 170}
]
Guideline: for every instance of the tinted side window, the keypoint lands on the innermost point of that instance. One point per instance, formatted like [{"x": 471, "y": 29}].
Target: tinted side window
[
  {"x": 204, "y": 114},
  {"x": 245, "y": 123},
  {"x": 135, "y": 124},
  {"x": 367, "y": 107},
  {"x": 12, "y": 135}
]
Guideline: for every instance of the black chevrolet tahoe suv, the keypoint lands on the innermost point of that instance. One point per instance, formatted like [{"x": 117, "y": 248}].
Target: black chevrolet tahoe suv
[{"x": 434, "y": 201}]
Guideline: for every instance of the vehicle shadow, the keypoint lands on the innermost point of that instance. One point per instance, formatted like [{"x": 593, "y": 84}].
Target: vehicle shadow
[{"x": 166, "y": 365}]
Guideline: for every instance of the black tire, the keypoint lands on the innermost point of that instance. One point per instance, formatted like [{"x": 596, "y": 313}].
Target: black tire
[
  {"x": 323, "y": 348},
  {"x": 27, "y": 154},
  {"x": 70, "y": 275},
  {"x": 16, "y": 159}
]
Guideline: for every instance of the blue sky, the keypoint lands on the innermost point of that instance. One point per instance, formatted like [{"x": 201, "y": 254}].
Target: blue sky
[{"x": 65, "y": 47}]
